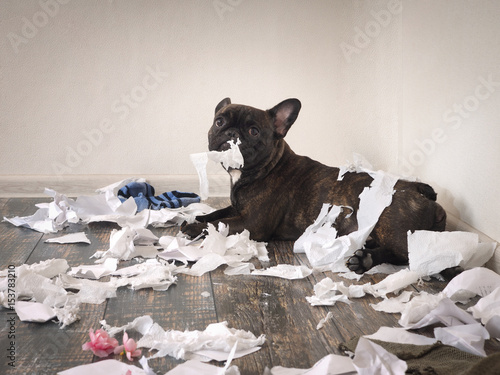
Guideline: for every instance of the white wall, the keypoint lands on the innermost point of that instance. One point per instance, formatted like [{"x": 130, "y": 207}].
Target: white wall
[
  {"x": 451, "y": 105},
  {"x": 129, "y": 87}
]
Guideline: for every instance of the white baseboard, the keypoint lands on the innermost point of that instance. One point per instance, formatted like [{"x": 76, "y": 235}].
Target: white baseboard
[{"x": 17, "y": 186}]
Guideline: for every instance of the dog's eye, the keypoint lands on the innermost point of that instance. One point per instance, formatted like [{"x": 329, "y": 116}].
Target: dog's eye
[
  {"x": 219, "y": 122},
  {"x": 254, "y": 131}
]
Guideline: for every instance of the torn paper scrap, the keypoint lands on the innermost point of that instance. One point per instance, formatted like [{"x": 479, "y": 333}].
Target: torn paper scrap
[
  {"x": 359, "y": 164},
  {"x": 159, "y": 277},
  {"x": 419, "y": 306},
  {"x": 393, "y": 305},
  {"x": 400, "y": 336},
  {"x": 34, "y": 312},
  {"x": 431, "y": 252},
  {"x": 393, "y": 283},
  {"x": 205, "y": 264},
  {"x": 325, "y": 293},
  {"x": 385, "y": 268},
  {"x": 105, "y": 367},
  {"x": 150, "y": 274},
  {"x": 239, "y": 268},
  {"x": 46, "y": 268},
  {"x": 180, "y": 249},
  {"x": 323, "y": 321},
  {"x": 95, "y": 271},
  {"x": 146, "y": 252},
  {"x": 90, "y": 291},
  {"x": 469, "y": 338},
  {"x": 477, "y": 281},
  {"x": 144, "y": 237},
  {"x": 488, "y": 310},
  {"x": 121, "y": 245},
  {"x": 67, "y": 313},
  {"x": 193, "y": 367},
  {"x": 231, "y": 158},
  {"x": 285, "y": 271},
  {"x": 371, "y": 358},
  {"x": 321, "y": 231},
  {"x": 446, "y": 312},
  {"x": 493, "y": 326},
  {"x": 331, "y": 364},
  {"x": 135, "y": 269},
  {"x": 141, "y": 324},
  {"x": 34, "y": 282},
  {"x": 70, "y": 238},
  {"x": 214, "y": 355}
]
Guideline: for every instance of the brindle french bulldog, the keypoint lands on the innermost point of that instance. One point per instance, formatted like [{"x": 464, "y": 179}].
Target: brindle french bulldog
[{"x": 277, "y": 194}]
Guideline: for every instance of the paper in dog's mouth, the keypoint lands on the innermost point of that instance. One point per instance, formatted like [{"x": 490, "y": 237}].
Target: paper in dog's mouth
[{"x": 230, "y": 158}]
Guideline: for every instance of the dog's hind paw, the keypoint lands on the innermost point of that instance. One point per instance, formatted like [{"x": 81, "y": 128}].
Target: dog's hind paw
[{"x": 360, "y": 262}]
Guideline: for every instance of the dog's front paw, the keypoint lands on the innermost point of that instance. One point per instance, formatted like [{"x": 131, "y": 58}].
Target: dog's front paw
[
  {"x": 193, "y": 230},
  {"x": 360, "y": 262}
]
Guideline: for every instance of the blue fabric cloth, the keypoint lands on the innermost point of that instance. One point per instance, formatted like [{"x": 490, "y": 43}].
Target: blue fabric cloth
[{"x": 144, "y": 196}]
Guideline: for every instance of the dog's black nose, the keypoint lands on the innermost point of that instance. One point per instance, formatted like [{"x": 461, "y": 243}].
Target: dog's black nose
[{"x": 232, "y": 133}]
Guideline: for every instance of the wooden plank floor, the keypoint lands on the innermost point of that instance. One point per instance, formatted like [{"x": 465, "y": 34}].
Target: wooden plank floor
[{"x": 263, "y": 305}]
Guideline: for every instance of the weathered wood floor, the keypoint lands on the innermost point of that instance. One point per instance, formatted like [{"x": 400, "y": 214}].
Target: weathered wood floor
[{"x": 263, "y": 305}]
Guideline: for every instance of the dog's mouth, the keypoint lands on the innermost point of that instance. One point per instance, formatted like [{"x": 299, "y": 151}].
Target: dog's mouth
[{"x": 224, "y": 146}]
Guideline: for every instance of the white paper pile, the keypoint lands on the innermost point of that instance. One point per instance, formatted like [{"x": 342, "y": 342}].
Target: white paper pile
[
  {"x": 216, "y": 249},
  {"x": 214, "y": 343},
  {"x": 43, "y": 289},
  {"x": 325, "y": 292},
  {"x": 105, "y": 206}
]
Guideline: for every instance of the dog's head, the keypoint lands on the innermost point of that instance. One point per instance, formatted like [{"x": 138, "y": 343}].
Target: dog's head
[{"x": 258, "y": 131}]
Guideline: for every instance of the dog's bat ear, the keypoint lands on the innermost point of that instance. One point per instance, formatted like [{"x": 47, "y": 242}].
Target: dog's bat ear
[
  {"x": 284, "y": 115},
  {"x": 222, "y": 104}
]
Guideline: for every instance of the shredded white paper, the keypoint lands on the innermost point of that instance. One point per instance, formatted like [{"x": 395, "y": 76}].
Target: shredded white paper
[
  {"x": 320, "y": 241},
  {"x": 214, "y": 343},
  {"x": 69, "y": 238},
  {"x": 231, "y": 158}
]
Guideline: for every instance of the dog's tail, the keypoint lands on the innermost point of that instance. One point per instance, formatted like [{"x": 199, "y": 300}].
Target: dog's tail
[
  {"x": 439, "y": 213},
  {"x": 439, "y": 219}
]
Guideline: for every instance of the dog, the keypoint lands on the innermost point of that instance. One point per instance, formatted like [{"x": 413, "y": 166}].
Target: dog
[{"x": 277, "y": 194}]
